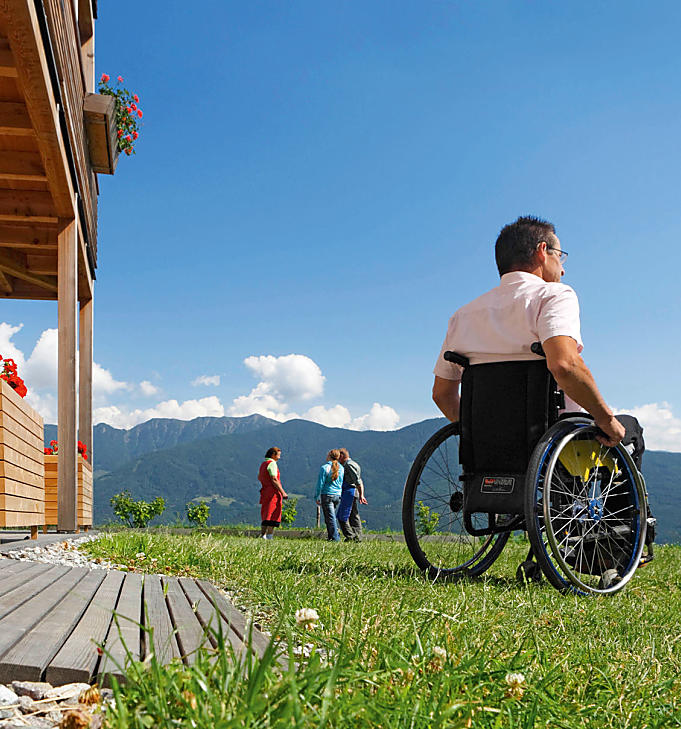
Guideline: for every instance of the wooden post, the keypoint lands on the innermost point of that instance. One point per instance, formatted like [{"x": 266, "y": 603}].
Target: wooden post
[
  {"x": 85, "y": 376},
  {"x": 67, "y": 483}
]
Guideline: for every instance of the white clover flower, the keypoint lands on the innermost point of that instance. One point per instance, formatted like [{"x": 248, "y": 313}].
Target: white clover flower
[
  {"x": 439, "y": 653},
  {"x": 140, "y": 555},
  {"x": 516, "y": 684},
  {"x": 307, "y": 617}
]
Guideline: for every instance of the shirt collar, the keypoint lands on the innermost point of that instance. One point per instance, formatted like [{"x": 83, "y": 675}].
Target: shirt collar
[{"x": 518, "y": 276}]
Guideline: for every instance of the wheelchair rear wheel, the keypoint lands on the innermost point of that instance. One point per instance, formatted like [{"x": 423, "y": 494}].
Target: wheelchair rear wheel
[
  {"x": 585, "y": 510},
  {"x": 432, "y": 513}
]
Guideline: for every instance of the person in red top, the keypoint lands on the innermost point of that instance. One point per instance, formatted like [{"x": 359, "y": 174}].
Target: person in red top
[{"x": 271, "y": 493}]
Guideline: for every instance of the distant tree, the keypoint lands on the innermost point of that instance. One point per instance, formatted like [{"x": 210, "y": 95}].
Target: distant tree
[
  {"x": 289, "y": 511},
  {"x": 198, "y": 513},
  {"x": 136, "y": 513}
]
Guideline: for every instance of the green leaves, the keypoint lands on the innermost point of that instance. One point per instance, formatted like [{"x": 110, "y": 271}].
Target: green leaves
[{"x": 136, "y": 514}]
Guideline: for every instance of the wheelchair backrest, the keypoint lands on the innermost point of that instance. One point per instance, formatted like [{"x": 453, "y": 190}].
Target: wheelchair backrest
[{"x": 505, "y": 409}]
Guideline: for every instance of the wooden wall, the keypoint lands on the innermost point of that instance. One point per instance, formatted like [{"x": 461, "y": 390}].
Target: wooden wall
[
  {"x": 84, "y": 491},
  {"x": 22, "y": 488}
]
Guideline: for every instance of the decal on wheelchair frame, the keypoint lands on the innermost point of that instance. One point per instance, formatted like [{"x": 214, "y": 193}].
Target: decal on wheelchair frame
[{"x": 497, "y": 485}]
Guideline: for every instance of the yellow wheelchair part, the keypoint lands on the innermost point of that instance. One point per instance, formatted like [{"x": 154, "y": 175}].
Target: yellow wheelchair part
[{"x": 580, "y": 457}]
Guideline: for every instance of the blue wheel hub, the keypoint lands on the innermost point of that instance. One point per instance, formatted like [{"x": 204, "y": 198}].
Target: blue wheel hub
[{"x": 596, "y": 509}]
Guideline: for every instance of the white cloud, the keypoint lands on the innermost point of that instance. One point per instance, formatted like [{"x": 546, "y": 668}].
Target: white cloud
[
  {"x": 380, "y": 417},
  {"x": 207, "y": 380},
  {"x": 120, "y": 417},
  {"x": 103, "y": 383},
  {"x": 661, "y": 428},
  {"x": 7, "y": 347},
  {"x": 148, "y": 389},
  {"x": 292, "y": 377},
  {"x": 41, "y": 366},
  {"x": 335, "y": 417}
]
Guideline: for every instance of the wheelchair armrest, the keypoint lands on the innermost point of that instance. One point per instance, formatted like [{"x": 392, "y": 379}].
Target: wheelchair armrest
[{"x": 456, "y": 358}]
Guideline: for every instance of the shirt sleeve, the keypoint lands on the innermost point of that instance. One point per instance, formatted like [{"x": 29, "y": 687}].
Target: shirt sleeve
[
  {"x": 320, "y": 482},
  {"x": 444, "y": 369},
  {"x": 272, "y": 469},
  {"x": 559, "y": 315},
  {"x": 352, "y": 473}
]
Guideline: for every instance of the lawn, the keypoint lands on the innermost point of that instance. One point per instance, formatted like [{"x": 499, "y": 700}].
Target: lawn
[{"x": 392, "y": 650}]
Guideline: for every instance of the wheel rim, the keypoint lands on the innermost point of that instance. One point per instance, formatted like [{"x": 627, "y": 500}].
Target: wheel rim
[
  {"x": 591, "y": 523},
  {"x": 441, "y": 543}
]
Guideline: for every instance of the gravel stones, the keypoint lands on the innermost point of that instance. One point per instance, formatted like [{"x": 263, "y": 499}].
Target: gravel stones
[
  {"x": 63, "y": 552},
  {"x": 71, "y": 706}
]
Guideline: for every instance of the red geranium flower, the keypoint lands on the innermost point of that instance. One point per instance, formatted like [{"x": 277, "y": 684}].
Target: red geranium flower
[
  {"x": 139, "y": 113},
  {"x": 105, "y": 78},
  {"x": 135, "y": 135},
  {"x": 120, "y": 79},
  {"x": 133, "y": 107},
  {"x": 137, "y": 98},
  {"x": 128, "y": 109}
]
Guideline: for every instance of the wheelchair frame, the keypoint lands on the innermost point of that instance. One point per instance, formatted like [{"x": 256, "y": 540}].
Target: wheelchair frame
[{"x": 583, "y": 504}]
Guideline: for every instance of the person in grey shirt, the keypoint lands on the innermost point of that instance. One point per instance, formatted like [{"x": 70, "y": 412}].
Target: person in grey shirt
[{"x": 351, "y": 497}]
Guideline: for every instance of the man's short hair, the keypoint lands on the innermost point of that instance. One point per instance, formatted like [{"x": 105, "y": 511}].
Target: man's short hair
[
  {"x": 344, "y": 452},
  {"x": 271, "y": 452},
  {"x": 518, "y": 241}
]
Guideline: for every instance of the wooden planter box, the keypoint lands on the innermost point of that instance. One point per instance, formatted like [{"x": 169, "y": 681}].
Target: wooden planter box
[
  {"x": 84, "y": 492},
  {"x": 100, "y": 124},
  {"x": 22, "y": 489}
]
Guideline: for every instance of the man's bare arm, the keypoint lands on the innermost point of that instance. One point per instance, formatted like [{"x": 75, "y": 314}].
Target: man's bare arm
[
  {"x": 575, "y": 379},
  {"x": 446, "y": 397}
]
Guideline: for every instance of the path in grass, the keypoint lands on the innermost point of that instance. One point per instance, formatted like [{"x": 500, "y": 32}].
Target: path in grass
[{"x": 603, "y": 661}]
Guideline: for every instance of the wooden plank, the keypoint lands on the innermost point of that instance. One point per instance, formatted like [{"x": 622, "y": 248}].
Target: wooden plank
[
  {"x": 23, "y": 592},
  {"x": 7, "y": 67},
  {"x": 20, "y": 519},
  {"x": 23, "y": 490},
  {"x": 235, "y": 619},
  {"x": 42, "y": 263},
  {"x": 11, "y": 455},
  {"x": 22, "y": 416},
  {"x": 124, "y": 630},
  {"x": 17, "y": 503},
  {"x": 14, "y": 626},
  {"x": 9, "y": 566},
  {"x": 14, "y": 261},
  {"x": 208, "y": 616},
  {"x": 156, "y": 618},
  {"x": 6, "y": 286},
  {"x": 77, "y": 659},
  {"x": 28, "y": 658},
  {"x": 13, "y": 442},
  {"x": 85, "y": 345},
  {"x": 14, "y": 119},
  {"x": 14, "y": 473},
  {"x": 11, "y": 426},
  {"x": 21, "y": 575},
  {"x": 190, "y": 633},
  {"x": 8, "y": 392},
  {"x": 28, "y": 237}
]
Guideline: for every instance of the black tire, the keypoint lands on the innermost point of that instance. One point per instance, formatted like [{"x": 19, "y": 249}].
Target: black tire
[
  {"x": 432, "y": 514},
  {"x": 585, "y": 510}
]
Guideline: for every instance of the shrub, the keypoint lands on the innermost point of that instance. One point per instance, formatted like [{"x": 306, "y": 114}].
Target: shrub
[
  {"x": 136, "y": 513},
  {"x": 289, "y": 511},
  {"x": 197, "y": 513},
  {"x": 426, "y": 520}
]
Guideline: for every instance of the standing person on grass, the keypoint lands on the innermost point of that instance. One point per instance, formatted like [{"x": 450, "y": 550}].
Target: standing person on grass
[
  {"x": 353, "y": 494},
  {"x": 328, "y": 492},
  {"x": 271, "y": 493}
]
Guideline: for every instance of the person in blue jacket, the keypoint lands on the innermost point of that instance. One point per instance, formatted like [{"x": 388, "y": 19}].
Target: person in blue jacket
[{"x": 328, "y": 492}]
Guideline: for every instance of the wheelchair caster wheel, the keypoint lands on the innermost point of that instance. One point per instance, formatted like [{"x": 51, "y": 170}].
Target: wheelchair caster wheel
[
  {"x": 608, "y": 579},
  {"x": 528, "y": 571}
]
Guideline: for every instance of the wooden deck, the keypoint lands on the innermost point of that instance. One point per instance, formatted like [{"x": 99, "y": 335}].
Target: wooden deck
[{"x": 52, "y": 617}]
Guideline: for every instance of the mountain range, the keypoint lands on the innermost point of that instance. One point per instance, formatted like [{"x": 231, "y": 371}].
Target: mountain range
[{"x": 216, "y": 460}]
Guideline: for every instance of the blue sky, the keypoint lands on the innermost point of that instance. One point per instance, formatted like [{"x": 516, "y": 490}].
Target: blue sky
[{"x": 327, "y": 180}]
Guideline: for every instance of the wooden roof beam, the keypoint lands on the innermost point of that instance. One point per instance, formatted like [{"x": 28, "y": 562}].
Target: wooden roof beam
[
  {"x": 19, "y": 22},
  {"x": 14, "y": 120},
  {"x": 5, "y": 284},
  {"x": 36, "y": 239},
  {"x": 27, "y": 206},
  {"x": 14, "y": 263},
  {"x": 7, "y": 67},
  {"x": 21, "y": 166}
]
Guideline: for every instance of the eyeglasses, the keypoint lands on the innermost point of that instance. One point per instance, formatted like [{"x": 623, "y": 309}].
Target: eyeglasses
[{"x": 562, "y": 255}]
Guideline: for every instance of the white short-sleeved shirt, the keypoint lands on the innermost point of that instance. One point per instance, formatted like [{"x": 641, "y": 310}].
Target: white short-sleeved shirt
[{"x": 503, "y": 323}]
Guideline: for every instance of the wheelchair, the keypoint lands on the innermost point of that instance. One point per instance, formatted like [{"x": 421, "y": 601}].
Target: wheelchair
[{"x": 513, "y": 462}]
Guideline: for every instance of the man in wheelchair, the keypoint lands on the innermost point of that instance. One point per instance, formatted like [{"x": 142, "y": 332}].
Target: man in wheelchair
[{"x": 511, "y": 379}]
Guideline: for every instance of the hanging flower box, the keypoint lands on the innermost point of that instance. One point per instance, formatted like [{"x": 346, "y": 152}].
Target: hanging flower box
[
  {"x": 84, "y": 491},
  {"x": 22, "y": 489},
  {"x": 100, "y": 125}
]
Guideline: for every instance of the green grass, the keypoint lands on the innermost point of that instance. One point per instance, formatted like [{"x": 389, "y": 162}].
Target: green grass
[{"x": 587, "y": 662}]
